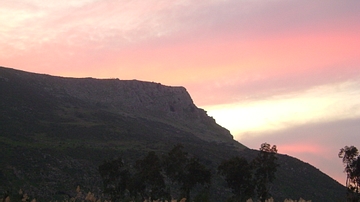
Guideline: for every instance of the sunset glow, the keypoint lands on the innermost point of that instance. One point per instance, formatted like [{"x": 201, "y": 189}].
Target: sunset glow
[
  {"x": 270, "y": 71},
  {"x": 319, "y": 104}
]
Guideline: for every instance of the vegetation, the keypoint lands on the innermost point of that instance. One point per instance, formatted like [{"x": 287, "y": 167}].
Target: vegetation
[
  {"x": 90, "y": 197},
  {"x": 238, "y": 175},
  {"x": 265, "y": 168},
  {"x": 186, "y": 171},
  {"x": 247, "y": 179},
  {"x": 351, "y": 160},
  {"x": 115, "y": 178},
  {"x": 147, "y": 182}
]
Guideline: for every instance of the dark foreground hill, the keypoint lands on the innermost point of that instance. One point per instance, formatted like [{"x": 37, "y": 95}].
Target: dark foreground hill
[{"x": 55, "y": 132}]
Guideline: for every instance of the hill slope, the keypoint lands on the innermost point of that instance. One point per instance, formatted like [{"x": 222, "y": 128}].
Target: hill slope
[{"x": 56, "y": 131}]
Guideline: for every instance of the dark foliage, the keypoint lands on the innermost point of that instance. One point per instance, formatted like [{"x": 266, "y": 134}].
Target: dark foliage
[
  {"x": 351, "y": 160},
  {"x": 195, "y": 173},
  {"x": 148, "y": 180},
  {"x": 247, "y": 179},
  {"x": 174, "y": 163},
  {"x": 265, "y": 165},
  {"x": 185, "y": 171},
  {"x": 116, "y": 178},
  {"x": 238, "y": 175}
]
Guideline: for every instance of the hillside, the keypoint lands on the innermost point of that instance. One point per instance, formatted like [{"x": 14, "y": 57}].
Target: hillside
[{"x": 55, "y": 132}]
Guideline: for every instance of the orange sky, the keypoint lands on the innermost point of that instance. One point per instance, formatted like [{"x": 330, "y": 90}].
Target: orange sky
[{"x": 288, "y": 65}]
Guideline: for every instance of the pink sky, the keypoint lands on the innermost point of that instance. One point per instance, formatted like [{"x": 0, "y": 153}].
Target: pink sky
[{"x": 294, "y": 66}]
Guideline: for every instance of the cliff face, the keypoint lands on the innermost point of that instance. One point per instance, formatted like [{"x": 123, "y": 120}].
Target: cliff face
[
  {"x": 171, "y": 105},
  {"x": 132, "y": 97}
]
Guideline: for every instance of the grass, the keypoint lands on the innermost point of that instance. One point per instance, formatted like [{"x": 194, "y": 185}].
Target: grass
[{"x": 91, "y": 197}]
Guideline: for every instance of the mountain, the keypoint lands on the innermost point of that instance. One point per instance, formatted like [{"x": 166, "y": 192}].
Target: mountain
[{"x": 56, "y": 131}]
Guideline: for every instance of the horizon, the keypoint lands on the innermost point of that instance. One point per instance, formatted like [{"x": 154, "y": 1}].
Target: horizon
[{"x": 286, "y": 73}]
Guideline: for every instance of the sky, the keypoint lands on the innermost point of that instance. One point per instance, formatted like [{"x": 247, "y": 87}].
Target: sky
[{"x": 276, "y": 71}]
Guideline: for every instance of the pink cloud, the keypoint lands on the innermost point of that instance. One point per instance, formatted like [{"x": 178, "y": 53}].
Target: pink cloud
[{"x": 302, "y": 148}]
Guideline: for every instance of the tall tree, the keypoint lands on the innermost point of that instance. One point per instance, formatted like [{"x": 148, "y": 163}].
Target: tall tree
[
  {"x": 174, "y": 163},
  {"x": 349, "y": 156},
  {"x": 356, "y": 174},
  {"x": 351, "y": 160},
  {"x": 115, "y": 177},
  {"x": 265, "y": 165},
  {"x": 185, "y": 171},
  {"x": 149, "y": 172},
  {"x": 238, "y": 175},
  {"x": 195, "y": 173}
]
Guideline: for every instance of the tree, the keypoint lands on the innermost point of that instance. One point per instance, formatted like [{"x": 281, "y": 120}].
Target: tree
[
  {"x": 356, "y": 174},
  {"x": 115, "y": 177},
  {"x": 147, "y": 178},
  {"x": 195, "y": 173},
  {"x": 265, "y": 165},
  {"x": 349, "y": 156},
  {"x": 351, "y": 160},
  {"x": 149, "y": 173},
  {"x": 174, "y": 163},
  {"x": 238, "y": 175},
  {"x": 185, "y": 171}
]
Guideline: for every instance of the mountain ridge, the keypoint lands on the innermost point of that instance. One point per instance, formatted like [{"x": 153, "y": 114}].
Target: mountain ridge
[
  {"x": 152, "y": 100},
  {"x": 63, "y": 128}
]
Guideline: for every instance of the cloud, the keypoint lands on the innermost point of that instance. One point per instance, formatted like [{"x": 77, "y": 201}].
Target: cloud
[
  {"x": 139, "y": 20},
  {"x": 315, "y": 143},
  {"x": 327, "y": 135},
  {"x": 316, "y": 105}
]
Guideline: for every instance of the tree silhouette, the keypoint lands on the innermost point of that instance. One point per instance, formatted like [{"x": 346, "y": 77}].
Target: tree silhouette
[
  {"x": 348, "y": 155},
  {"x": 265, "y": 165},
  {"x": 195, "y": 173},
  {"x": 185, "y": 171},
  {"x": 174, "y": 163},
  {"x": 238, "y": 175},
  {"x": 147, "y": 177},
  {"x": 351, "y": 160},
  {"x": 245, "y": 179},
  {"x": 356, "y": 174},
  {"x": 115, "y": 177},
  {"x": 151, "y": 181}
]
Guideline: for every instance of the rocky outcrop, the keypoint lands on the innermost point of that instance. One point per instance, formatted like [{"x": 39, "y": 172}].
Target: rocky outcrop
[
  {"x": 172, "y": 105},
  {"x": 133, "y": 97}
]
